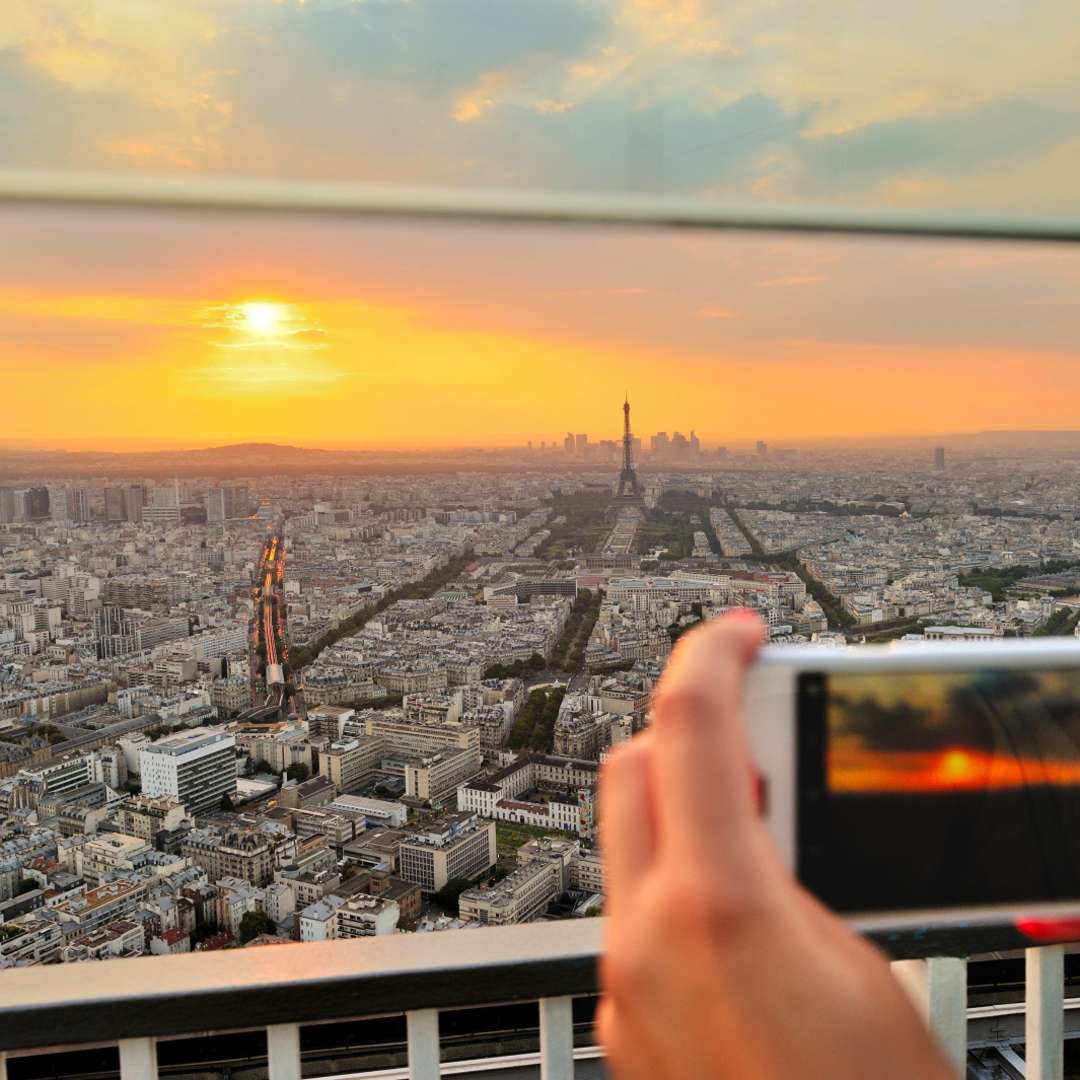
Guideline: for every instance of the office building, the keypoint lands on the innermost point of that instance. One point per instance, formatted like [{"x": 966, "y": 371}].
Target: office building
[
  {"x": 134, "y": 501},
  {"x": 197, "y": 766},
  {"x": 114, "y": 504},
  {"x": 69, "y": 505},
  {"x": 348, "y": 764},
  {"x": 228, "y": 502},
  {"x": 164, "y": 508},
  {"x": 434, "y": 779},
  {"x": 521, "y": 896},
  {"x": 455, "y": 846}
]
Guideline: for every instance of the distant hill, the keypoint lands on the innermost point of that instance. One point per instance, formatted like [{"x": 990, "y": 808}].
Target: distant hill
[
  {"x": 248, "y": 450},
  {"x": 235, "y": 460}
]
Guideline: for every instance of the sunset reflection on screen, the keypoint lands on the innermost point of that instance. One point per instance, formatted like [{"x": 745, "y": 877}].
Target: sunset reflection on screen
[{"x": 954, "y": 732}]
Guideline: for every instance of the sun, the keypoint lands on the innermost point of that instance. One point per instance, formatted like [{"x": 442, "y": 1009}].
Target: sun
[
  {"x": 261, "y": 317},
  {"x": 960, "y": 767}
]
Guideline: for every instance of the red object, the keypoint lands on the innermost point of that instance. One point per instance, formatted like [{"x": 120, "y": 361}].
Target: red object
[{"x": 1049, "y": 931}]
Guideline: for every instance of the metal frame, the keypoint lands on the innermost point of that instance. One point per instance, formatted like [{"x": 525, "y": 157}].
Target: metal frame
[{"x": 29, "y": 187}]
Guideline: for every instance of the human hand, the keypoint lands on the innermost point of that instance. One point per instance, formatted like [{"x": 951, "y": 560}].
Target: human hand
[{"x": 717, "y": 963}]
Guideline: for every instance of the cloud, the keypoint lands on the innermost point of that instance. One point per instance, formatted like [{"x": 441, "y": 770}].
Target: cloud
[
  {"x": 729, "y": 99},
  {"x": 789, "y": 281}
]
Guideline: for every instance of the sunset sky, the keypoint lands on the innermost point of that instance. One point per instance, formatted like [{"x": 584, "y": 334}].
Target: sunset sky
[
  {"x": 136, "y": 330},
  {"x": 953, "y": 732}
]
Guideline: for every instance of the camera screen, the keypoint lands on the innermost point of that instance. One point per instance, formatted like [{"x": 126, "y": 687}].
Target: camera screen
[{"x": 926, "y": 790}]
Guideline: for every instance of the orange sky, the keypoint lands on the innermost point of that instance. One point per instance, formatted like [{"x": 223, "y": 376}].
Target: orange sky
[
  {"x": 124, "y": 331},
  {"x": 953, "y": 769},
  {"x": 874, "y": 719}
]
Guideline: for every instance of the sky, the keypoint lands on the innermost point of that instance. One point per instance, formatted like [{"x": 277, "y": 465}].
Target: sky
[
  {"x": 128, "y": 330},
  {"x": 949, "y": 731}
]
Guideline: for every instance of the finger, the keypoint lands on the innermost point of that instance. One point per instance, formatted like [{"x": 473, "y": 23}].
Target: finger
[
  {"x": 627, "y": 1053},
  {"x": 627, "y": 818},
  {"x": 701, "y": 759}
]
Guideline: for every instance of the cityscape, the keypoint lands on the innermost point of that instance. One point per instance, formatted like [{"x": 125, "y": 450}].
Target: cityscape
[{"x": 342, "y": 696}]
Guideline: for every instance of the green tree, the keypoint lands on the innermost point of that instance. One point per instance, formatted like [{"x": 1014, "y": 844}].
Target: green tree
[
  {"x": 226, "y": 805},
  {"x": 298, "y": 771},
  {"x": 253, "y": 924},
  {"x": 448, "y": 896}
]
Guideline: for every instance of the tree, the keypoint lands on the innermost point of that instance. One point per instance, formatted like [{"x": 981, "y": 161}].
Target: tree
[
  {"x": 206, "y": 929},
  {"x": 448, "y": 896},
  {"x": 253, "y": 924},
  {"x": 25, "y": 885},
  {"x": 227, "y": 806},
  {"x": 298, "y": 771}
]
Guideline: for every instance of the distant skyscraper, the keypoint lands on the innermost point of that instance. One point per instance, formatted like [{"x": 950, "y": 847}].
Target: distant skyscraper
[
  {"x": 568, "y": 443},
  {"x": 939, "y": 458},
  {"x": 695, "y": 443},
  {"x": 762, "y": 448},
  {"x": 228, "y": 502},
  {"x": 658, "y": 444},
  {"x": 581, "y": 444},
  {"x": 134, "y": 501},
  {"x": 69, "y": 505},
  {"x": 37, "y": 503},
  {"x": 7, "y": 506},
  {"x": 164, "y": 508},
  {"x": 114, "y": 504}
]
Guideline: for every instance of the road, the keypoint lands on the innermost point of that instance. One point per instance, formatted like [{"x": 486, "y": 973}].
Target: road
[{"x": 269, "y": 635}]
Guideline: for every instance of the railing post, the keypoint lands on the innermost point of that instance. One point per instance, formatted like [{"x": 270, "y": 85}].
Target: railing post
[
  {"x": 422, "y": 1037},
  {"x": 283, "y": 1051},
  {"x": 138, "y": 1059},
  {"x": 3, "y": 1066},
  {"x": 556, "y": 1038},
  {"x": 1044, "y": 1022},
  {"x": 938, "y": 987}
]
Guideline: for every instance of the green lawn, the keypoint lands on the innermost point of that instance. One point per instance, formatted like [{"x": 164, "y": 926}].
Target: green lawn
[{"x": 509, "y": 837}]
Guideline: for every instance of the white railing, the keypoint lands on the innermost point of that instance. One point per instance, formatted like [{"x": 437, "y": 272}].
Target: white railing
[
  {"x": 938, "y": 986},
  {"x": 134, "y": 1004}
]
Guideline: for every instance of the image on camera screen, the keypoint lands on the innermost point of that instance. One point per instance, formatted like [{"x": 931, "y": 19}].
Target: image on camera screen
[{"x": 940, "y": 789}]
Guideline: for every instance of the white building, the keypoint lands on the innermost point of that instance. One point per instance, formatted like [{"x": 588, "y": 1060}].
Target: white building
[
  {"x": 197, "y": 766},
  {"x": 366, "y": 916}
]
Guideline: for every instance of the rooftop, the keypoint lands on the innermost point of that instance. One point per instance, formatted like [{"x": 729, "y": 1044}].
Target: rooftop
[{"x": 184, "y": 742}]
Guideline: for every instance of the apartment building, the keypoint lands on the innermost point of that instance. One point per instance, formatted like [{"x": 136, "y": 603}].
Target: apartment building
[{"x": 363, "y": 915}]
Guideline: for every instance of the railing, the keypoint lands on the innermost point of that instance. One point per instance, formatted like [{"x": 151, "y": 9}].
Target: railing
[{"x": 132, "y": 1004}]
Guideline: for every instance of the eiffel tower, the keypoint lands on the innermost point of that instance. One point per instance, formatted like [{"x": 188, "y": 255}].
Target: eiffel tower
[{"x": 628, "y": 490}]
